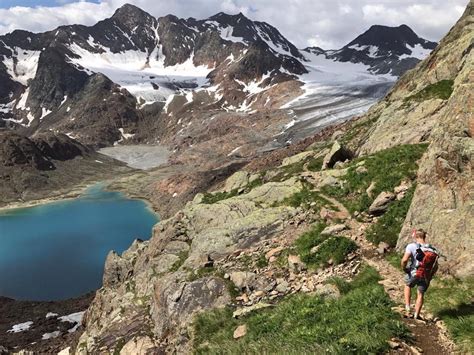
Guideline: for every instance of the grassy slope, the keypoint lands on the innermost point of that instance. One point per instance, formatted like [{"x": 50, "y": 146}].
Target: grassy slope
[{"x": 360, "y": 321}]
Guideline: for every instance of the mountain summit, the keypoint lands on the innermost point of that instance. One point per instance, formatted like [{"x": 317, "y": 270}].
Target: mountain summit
[
  {"x": 386, "y": 49},
  {"x": 129, "y": 69}
]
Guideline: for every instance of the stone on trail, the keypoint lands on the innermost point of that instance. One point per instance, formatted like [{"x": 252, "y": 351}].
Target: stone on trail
[
  {"x": 295, "y": 264},
  {"x": 381, "y": 203},
  {"x": 240, "y": 331},
  {"x": 282, "y": 286},
  {"x": 243, "y": 311},
  {"x": 273, "y": 252},
  {"x": 382, "y": 248}
]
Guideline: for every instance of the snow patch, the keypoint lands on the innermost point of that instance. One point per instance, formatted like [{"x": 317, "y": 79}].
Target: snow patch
[
  {"x": 21, "y": 327},
  {"x": 417, "y": 52},
  {"x": 125, "y": 135},
  {"x": 52, "y": 335},
  {"x": 51, "y": 315},
  {"x": 73, "y": 318},
  {"x": 22, "y": 65},
  {"x": 22, "y": 102},
  {"x": 44, "y": 113},
  {"x": 226, "y": 33}
]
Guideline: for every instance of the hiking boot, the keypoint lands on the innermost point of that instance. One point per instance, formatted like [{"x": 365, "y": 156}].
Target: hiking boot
[
  {"x": 407, "y": 312},
  {"x": 418, "y": 318}
]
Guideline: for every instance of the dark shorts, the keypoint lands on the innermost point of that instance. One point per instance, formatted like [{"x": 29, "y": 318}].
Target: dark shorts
[{"x": 411, "y": 282}]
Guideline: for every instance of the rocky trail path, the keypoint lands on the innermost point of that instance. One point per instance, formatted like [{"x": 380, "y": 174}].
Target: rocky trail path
[{"x": 430, "y": 335}]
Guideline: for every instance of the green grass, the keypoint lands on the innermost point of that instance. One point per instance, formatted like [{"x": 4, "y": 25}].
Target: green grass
[
  {"x": 315, "y": 164},
  {"x": 389, "y": 225},
  {"x": 307, "y": 199},
  {"x": 386, "y": 169},
  {"x": 359, "y": 322},
  {"x": 288, "y": 171},
  {"x": 357, "y": 130},
  {"x": 452, "y": 301},
  {"x": 440, "y": 90},
  {"x": 394, "y": 258},
  {"x": 210, "y": 198},
  {"x": 178, "y": 263},
  {"x": 330, "y": 247},
  {"x": 200, "y": 273}
]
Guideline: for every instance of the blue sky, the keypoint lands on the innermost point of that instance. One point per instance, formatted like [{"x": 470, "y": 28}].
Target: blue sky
[{"x": 31, "y": 3}]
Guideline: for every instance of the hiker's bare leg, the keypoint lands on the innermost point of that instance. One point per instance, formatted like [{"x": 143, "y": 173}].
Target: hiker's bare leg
[
  {"x": 419, "y": 303},
  {"x": 407, "y": 295}
]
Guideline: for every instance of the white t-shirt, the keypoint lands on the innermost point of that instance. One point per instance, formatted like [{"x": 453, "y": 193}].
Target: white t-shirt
[{"x": 412, "y": 262}]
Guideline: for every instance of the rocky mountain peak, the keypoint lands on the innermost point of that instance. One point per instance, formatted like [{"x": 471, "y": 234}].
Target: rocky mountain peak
[
  {"x": 129, "y": 12},
  {"x": 393, "y": 39}
]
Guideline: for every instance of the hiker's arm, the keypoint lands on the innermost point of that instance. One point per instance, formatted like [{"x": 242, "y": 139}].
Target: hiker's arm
[{"x": 404, "y": 261}]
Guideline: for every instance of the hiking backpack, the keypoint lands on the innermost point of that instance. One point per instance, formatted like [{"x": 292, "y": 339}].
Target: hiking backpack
[{"x": 427, "y": 257}]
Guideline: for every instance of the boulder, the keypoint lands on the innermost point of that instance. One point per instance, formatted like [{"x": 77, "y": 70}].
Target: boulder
[
  {"x": 361, "y": 170},
  {"x": 381, "y": 203},
  {"x": 295, "y": 264},
  {"x": 282, "y": 286},
  {"x": 242, "y": 279},
  {"x": 333, "y": 229},
  {"x": 382, "y": 248},
  {"x": 402, "y": 189},
  {"x": 237, "y": 181},
  {"x": 273, "y": 252},
  {"x": 337, "y": 153}
]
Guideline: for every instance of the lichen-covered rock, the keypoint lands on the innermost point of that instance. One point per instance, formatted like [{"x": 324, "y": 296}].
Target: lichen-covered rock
[
  {"x": 176, "y": 303},
  {"x": 381, "y": 203},
  {"x": 148, "y": 290},
  {"x": 237, "y": 180},
  {"x": 137, "y": 346},
  {"x": 333, "y": 229},
  {"x": 298, "y": 157}
]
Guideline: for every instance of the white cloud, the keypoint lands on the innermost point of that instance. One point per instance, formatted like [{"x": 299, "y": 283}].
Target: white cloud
[{"x": 327, "y": 23}]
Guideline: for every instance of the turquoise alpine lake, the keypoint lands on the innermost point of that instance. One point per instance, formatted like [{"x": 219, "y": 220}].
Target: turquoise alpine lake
[{"x": 57, "y": 250}]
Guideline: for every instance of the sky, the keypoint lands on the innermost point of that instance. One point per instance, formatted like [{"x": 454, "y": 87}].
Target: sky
[{"x": 329, "y": 24}]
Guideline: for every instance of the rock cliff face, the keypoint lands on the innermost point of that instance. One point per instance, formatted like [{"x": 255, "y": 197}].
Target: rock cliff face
[{"x": 433, "y": 103}]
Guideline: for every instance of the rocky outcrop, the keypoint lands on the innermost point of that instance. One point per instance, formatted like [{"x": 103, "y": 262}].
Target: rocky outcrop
[
  {"x": 150, "y": 287},
  {"x": 442, "y": 203}
]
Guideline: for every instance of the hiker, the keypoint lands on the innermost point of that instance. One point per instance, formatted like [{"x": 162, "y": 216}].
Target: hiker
[{"x": 420, "y": 263}]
